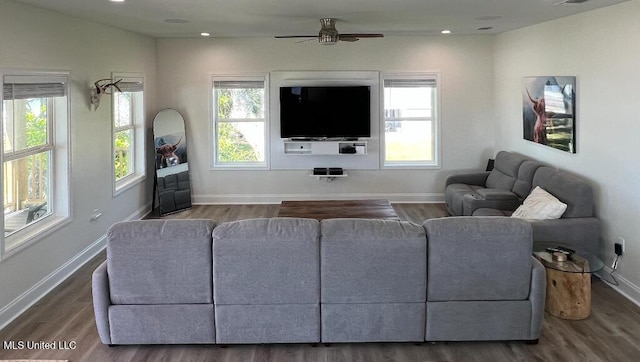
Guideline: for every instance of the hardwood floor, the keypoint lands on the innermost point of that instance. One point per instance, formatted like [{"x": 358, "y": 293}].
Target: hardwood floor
[{"x": 611, "y": 333}]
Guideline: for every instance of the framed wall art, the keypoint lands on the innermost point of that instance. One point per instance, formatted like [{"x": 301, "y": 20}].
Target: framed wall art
[{"x": 548, "y": 111}]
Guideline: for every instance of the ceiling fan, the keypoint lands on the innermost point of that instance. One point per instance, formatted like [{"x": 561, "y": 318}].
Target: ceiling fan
[{"x": 328, "y": 34}]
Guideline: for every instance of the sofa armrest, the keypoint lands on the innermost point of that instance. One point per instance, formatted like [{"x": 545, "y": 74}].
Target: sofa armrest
[
  {"x": 497, "y": 194},
  {"x": 537, "y": 297},
  {"x": 475, "y": 178},
  {"x": 101, "y": 301},
  {"x": 582, "y": 233},
  {"x": 470, "y": 203}
]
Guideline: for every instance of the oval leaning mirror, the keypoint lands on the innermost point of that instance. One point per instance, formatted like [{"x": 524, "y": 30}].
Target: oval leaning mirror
[{"x": 172, "y": 186}]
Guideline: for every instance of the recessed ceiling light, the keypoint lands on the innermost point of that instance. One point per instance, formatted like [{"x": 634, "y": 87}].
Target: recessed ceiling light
[
  {"x": 489, "y": 17},
  {"x": 176, "y": 21},
  {"x": 205, "y": 34},
  {"x": 446, "y": 32},
  {"x": 117, "y": 1}
]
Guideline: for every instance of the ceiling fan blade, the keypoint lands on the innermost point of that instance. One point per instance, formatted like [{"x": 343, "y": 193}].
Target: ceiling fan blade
[
  {"x": 350, "y": 39},
  {"x": 306, "y": 40},
  {"x": 295, "y": 36},
  {"x": 362, "y": 35}
]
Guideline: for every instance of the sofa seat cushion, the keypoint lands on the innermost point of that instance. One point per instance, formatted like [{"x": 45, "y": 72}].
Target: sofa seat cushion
[
  {"x": 454, "y": 195},
  {"x": 160, "y": 262},
  {"x": 540, "y": 205},
  {"x": 487, "y": 211}
]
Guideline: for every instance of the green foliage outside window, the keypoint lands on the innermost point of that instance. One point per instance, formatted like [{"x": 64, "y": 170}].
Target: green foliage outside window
[
  {"x": 122, "y": 155},
  {"x": 232, "y": 144},
  {"x": 36, "y": 125}
]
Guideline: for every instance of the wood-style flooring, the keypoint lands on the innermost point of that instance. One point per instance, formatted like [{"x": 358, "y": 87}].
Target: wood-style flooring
[{"x": 611, "y": 333}]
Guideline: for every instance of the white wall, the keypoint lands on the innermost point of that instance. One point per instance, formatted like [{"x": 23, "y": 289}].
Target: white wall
[
  {"x": 37, "y": 39},
  {"x": 602, "y": 49},
  {"x": 465, "y": 64}
]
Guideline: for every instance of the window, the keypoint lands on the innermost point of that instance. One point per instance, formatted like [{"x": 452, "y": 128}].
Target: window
[
  {"x": 34, "y": 156},
  {"x": 239, "y": 122},
  {"x": 410, "y": 120},
  {"x": 128, "y": 130}
]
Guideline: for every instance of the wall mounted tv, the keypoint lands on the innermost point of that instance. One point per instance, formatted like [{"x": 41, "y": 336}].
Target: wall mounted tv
[{"x": 325, "y": 112}]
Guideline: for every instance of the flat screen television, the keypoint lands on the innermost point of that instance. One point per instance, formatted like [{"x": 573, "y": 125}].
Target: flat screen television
[{"x": 325, "y": 112}]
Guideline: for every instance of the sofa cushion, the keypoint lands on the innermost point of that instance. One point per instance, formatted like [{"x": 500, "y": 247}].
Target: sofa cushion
[
  {"x": 266, "y": 261},
  {"x": 467, "y": 258},
  {"x": 495, "y": 194},
  {"x": 569, "y": 189},
  {"x": 454, "y": 195},
  {"x": 160, "y": 261},
  {"x": 524, "y": 181},
  {"x": 505, "y": 171},
  {"x": 372, "y": 261},
  {"x": 540, "y": 205}
]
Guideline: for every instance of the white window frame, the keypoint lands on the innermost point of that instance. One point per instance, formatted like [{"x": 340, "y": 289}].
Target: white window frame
[
  {"x": 59, "y": 201},
  {"x": 435, "y": 124},
  {"x": 215, "y": 163},
  {"x": 138, "y": 157}
]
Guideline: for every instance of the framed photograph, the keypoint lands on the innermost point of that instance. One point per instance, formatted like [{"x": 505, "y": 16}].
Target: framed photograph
[{"x": 548, "y": 111}]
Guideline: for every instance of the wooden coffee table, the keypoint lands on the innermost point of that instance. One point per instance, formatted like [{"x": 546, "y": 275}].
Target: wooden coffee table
[{"x": 328, "y": 209}]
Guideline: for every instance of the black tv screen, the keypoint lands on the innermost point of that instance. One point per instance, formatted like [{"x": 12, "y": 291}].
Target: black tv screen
[{"x": 319, "y": 112}]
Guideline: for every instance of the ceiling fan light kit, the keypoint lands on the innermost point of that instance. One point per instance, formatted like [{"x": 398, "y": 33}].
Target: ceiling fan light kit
[{"x": 329, "y": 35}]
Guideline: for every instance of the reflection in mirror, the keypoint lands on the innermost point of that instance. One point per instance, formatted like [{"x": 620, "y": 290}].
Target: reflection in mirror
[{"x": 172, "y": 189}]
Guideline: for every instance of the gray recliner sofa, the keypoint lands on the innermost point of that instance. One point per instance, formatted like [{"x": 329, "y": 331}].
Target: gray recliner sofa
[
  {"x": 503, "y": 188},
  {"x": 289, "y": 280},
  {"x": 156, "y": 285},
  {"x": 483, "y": 283},
  {"x": 373, "y": 275},
  {"x": 266, "y": 281},
  {"x": 577, "y": 228}
]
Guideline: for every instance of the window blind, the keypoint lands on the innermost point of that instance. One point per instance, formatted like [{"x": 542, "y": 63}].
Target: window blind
[
  {"x": 238, "y": 84},
  {"x": 409, "y": 83},
  {"x": 130, "y": 85},
  {"x": 27, "y": 86}
]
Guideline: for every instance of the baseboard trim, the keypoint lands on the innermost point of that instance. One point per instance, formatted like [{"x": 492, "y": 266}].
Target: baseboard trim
[
  {"x": 26, "y": 300},
  {"x": 213, "y": 199},
  {"x": 624, "y": 287}
]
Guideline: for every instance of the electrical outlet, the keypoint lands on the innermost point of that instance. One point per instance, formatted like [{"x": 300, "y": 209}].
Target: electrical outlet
[
  {"x": 617, "y": 248},
  {"x": 622, "y": 243},
  {"x": 96, "y": 215}
]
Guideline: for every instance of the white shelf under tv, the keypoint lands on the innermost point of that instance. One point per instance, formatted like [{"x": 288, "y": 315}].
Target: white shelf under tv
[{"x": 312, "y": 147}]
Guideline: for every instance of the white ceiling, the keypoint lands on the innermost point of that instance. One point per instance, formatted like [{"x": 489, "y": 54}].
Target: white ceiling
[{"x": 260, "y": 18}]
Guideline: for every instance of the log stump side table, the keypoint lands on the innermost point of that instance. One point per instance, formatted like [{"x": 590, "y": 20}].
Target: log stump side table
[{"x": 568, "y": 282}]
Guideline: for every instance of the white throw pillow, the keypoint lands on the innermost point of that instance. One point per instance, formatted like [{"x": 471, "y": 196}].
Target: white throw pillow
[{"x": 540, "y": 205}]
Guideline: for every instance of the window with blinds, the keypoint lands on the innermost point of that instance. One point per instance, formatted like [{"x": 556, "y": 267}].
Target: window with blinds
[
  {"x": 239, "y": 122},
  {"x": 34, "y": 128},
  {"x": 128, "y": 129},
  {"x": 410, "y": 120}
]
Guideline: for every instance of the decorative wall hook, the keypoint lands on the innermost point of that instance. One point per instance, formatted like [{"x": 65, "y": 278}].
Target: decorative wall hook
[{"x": 100, "y": 88}]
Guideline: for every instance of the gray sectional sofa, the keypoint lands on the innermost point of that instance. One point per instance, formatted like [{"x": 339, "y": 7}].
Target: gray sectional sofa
[
  {"x": 500, "y": 191},
  {"x": 290, "y": 280}
]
